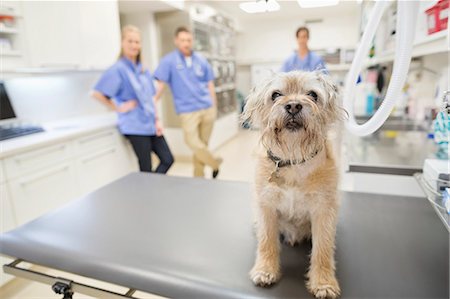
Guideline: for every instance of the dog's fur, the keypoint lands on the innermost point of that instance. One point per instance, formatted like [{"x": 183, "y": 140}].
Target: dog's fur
[{"x": 304, "y": 204}]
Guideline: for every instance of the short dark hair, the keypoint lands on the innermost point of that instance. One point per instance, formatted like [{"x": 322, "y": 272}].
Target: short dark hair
[
  {"x": 302, "y": 28},
  {"x": 181, "y": 29}
]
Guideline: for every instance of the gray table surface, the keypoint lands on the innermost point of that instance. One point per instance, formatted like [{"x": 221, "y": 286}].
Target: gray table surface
[{"x": 193, "y": 238}]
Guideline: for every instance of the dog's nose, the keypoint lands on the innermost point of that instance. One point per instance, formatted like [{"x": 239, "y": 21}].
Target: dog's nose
[{"x": 293, "y": 108}]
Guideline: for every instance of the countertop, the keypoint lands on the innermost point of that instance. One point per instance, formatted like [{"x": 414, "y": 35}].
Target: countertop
[{"x": 58, "y": 131}]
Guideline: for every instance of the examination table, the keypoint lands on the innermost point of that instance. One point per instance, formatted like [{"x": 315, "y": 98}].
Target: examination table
[{"x": 193, "y": 238}]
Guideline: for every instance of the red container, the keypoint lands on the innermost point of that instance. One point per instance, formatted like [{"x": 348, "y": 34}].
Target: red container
[{"x": 437, "y": 16}]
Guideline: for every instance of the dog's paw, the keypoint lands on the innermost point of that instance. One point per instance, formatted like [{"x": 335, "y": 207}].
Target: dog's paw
[
  {"x": 264, "y": 278},
  {"x": 329, "y": 289}
]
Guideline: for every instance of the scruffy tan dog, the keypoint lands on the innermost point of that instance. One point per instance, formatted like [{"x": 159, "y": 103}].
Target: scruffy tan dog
[{"x": 296, "y": 176}]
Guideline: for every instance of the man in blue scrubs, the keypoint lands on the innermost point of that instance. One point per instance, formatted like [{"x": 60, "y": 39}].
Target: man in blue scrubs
[
  {"x": 191, "y": 80},
  {"x": 303, "y": 59}
]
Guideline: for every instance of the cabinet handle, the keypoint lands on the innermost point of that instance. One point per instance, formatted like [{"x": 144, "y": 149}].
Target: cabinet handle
[
  {"x": 23, "y": 183},
  {"x": 60, "y": 66},
  {"x": 105, "y": 152},
  {"x": 90, "y": 138},
  {"x": 20, "y": 160}
]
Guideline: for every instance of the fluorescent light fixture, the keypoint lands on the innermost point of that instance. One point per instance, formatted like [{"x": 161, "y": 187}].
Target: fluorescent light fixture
[
  {"x": 260, "y": 6},
  {"x": 316, "y": 3}
]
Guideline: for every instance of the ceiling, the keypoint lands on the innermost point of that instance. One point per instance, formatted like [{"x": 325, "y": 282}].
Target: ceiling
[
  {"x": 289, "y": 9},
  {"x": 131, "y": 6}
]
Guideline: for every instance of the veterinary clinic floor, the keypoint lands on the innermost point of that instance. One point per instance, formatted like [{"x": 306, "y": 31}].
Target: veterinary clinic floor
[{"x": 239, "y": 166}]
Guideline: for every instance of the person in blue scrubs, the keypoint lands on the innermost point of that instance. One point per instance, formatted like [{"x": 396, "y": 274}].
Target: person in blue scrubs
[
  {"x": 127, "y": 87},
  {"x": 191, "y": 81},
  {"x": 303, "y": 59}
]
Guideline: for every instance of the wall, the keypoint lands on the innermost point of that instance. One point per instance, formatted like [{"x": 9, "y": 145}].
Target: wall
[
  {"x": 274, "y": 39},
  {"x": 270, "y": 42},
  {"x": 50, "y": 97}
]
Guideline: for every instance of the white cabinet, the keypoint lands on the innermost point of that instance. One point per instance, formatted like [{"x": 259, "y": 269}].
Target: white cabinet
[
  {"x": 52, "y": 33},
  {"x": 43, "y": 190},
  {"x": 45, "y": 178},
  {"x": 7, "y": 222},
  {"x": 100, "y": 33},
  {"x": 71, "y": 34}
]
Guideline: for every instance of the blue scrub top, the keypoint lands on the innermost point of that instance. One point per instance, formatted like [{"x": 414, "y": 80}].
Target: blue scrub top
[
  {"x": 189, "y": 85},
  {"x": 125, "y": 81},
  {"x": 311, "y": 62}
]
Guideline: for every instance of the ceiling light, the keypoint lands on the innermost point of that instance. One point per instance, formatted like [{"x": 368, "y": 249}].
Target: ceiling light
[
  {"x": 260, "y": 6},
  {"x": 316, "y": 3}
]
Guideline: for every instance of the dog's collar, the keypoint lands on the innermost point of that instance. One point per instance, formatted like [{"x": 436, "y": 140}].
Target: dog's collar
[{"x": 282, "y": 163}]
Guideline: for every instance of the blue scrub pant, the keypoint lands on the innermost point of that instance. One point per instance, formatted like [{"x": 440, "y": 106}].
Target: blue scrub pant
[{"x": 143, "y": 146}]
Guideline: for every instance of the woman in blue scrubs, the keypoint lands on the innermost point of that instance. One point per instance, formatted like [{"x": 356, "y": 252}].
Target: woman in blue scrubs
[
  {"x": 127, "y": 87},
  {"x": 303, "y": 59}
]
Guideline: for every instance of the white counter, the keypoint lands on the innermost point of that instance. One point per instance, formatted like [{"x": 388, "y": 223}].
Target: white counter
[{"x": 58, "y": 131}]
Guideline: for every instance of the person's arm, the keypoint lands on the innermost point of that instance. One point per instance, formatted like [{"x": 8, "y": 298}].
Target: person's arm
[
  {"x": 108, "y": 87},
  {"x": 160, "y": 86},
  {"x": 212, "y": 92},
  {"x": 125, "y": 107},
  {"x": 158, "y": 123},
  {"x": 104, "y": 100}
]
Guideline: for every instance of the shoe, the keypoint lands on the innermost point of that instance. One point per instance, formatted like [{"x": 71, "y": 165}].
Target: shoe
[{"x": 216, "y": 171}]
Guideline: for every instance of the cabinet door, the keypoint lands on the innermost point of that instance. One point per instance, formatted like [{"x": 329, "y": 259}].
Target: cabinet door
[
  {"x": 52, "y": 33},
  {"x": 7, "y": 222},
  {"x": 100, "y": 33},
  {"x": 99, "y": 168},
  {"x": 43, "y": 191}
]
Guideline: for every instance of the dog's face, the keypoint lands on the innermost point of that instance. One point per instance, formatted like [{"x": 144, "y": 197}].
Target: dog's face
[{"x": 294, "y": 111}]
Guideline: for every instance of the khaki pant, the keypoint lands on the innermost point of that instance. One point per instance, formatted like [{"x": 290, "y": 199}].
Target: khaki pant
[{"x": 197, "y": 128}]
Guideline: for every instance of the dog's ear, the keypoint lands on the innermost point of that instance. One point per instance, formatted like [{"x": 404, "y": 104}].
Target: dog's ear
[
  {"x": 330, "y": 87},
  {"x": 332, "y": 91},
  {"x": 254, "y": 104}
]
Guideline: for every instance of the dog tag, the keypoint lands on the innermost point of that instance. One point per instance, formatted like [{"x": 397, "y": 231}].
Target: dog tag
[{"x": 275, "y": 177}]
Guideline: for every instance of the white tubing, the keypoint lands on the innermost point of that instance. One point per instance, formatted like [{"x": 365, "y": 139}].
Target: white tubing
[{"x": 405, "y": 29}]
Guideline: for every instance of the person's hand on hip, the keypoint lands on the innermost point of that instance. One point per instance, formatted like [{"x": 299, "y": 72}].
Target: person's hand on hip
[
  {"x": 127, "y": 106},
  {"x": 159, "y": 128}
]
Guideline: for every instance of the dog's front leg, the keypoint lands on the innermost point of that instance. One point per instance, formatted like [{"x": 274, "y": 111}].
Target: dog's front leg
[
  {"x": 266, "y": 270},
  {"x": 322, "y": 281}
]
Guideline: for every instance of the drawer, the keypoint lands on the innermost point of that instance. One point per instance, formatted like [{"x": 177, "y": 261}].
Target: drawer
[
  {"x": 42, "y": 191},
  {"x": 99, "y": 140},
  {"x": 29, "y": 161},
  {"x": 99, "y": 168}
]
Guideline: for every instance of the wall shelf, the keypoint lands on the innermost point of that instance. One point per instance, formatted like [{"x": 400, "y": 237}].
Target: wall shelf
[
  {"x": 429, "y": 45},
  {"x": 8, "y": 30}
]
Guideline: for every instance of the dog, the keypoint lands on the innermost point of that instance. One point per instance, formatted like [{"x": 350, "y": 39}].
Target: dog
[{"x": 296, "y": 175}]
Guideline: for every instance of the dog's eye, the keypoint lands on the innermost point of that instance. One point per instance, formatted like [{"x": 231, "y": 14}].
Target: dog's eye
[
  {"x": 275, "y": 95},
  {"x": 313, "y": 95}
]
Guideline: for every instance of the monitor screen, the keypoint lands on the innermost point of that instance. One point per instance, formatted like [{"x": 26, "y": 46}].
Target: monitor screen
[{"x": 6, "y": 109}]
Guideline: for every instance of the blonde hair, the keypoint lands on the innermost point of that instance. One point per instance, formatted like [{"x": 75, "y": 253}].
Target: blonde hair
[{"x": 125, "y": 30}]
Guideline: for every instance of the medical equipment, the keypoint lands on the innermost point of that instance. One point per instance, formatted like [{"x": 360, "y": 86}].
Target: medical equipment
[
  {"x": 446, "y": 200},
  {"x": 405, "y": 28},
  {"x": 435, "y": 173}
]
